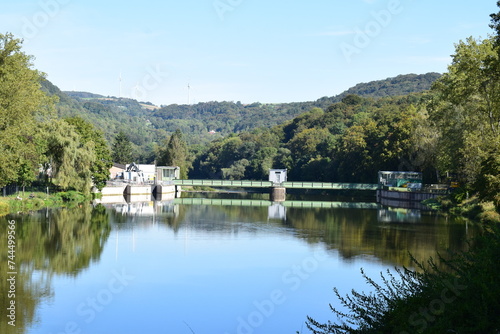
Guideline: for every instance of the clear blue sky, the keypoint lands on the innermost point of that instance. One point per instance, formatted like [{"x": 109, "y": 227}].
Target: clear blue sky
[{"x": 238, "y": 50}]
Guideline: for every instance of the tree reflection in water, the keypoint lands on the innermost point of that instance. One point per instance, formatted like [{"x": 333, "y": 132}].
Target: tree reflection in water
[{"x": 60, "y": 241}]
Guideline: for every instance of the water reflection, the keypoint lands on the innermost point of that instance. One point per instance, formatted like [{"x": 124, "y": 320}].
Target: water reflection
[
  {"x": 276, "y": 211},
  {"x": 49, "y": 242},
  {"x": 66, "y": 242},
  {"x": 399, "y": 215},
  {"x": 354, "y": 229}
]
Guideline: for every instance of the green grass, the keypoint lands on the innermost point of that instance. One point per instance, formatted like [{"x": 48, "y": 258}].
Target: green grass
[
  {"x": 32, "y": 201},
  {"x": 470, "y": 207},
  {"x": 4, "y": 208}
]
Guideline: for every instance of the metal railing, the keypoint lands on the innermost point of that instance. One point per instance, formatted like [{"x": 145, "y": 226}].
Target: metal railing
[
  {"x": 268, "y": 184},
  {"x": 225, "y": 183},
  {"x": 329, "y": 185}
]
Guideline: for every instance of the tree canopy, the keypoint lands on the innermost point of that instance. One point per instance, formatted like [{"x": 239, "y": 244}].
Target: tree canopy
[{"x": 22, "y": 105}]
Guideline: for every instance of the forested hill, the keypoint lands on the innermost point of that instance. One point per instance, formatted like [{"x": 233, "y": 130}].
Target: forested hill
[
  {"x": 147, "y": 125},
  {"x": 230, "y": 117},
  {"x": 397, "y": 86}
]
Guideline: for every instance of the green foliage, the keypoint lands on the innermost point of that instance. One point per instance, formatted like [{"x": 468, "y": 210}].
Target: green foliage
[
  {"x": 72, "y": 196},
  {"x": 22, "y": 103},
  {"x": 146, "y": 124},
  {"x": 100, "y": 166},
  {"x": 463, "y": 131},
  {"x": 236, "y": 171},
  {"x": 4, "y": 208},
  {"x": 25, "y": 174},
  {"x": 122, "y": 149},
  {"x": 466, "y": 109},
  {"x": 174, "y": 153},
  {"x": 349, "y": 142},
  {"x": 462, "y": 298},
  {"x": 397, "y": 86},
  {"x": 451, "y": 129},
  {"x": 39, "y": 200},
  {"x": 488, "y": 181},
  {"x": 69, "y": 157}
]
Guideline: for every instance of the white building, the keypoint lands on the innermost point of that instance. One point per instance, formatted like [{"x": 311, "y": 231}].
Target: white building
[{"x": 277, "y": 176}]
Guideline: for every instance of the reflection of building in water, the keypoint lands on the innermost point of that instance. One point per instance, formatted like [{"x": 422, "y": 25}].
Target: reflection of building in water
[
  {"x": 398, "y": 215},
  {"x": 276, "y": 211},
  {"x": 136, "y": 209},
  {"x": 147, "y": 209},
  {"x": 415, "y": 205}
]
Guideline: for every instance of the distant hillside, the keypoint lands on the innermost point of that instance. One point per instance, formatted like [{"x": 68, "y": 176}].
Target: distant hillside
[
  {"x": 148, "y": 125},
  {"x": 83, "y": 95},
  {"x": 397, "y": 86}
]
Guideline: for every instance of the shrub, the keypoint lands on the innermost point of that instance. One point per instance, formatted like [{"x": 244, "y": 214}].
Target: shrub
[
  {"x": 37, "y": 203},
  {"x": 490, "y": 217},
  {"x": 4, "y": 208},
  {"x": 463, "y": 297},
  {"x": 72, "y": 196}
]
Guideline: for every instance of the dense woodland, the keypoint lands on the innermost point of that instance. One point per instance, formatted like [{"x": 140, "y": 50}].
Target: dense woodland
[
  {"x": 441, "y": 125},
  {"x": 147, "y": 126}
]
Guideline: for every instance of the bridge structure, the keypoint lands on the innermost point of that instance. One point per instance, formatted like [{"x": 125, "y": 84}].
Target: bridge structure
[{"x": 277, "y": 190}]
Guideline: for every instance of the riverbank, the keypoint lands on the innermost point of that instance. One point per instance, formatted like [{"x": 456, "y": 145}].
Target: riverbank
[
  {"x": 461, "y": 297},
  {"x": 38, "y": 200},
  {"x": 472, "y": 208}
]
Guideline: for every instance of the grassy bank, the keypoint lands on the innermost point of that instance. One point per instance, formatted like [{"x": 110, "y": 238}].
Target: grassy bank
[
  {"x": 470, "y": 207},
  {"x": 39, "y": 200}
]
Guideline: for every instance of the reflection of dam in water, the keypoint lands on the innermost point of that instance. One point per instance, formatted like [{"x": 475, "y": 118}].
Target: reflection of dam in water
[
  {"x": 146, "y": 206},
  {"x": 288, "y": 204},
  {"x": 398, "y": 215}
]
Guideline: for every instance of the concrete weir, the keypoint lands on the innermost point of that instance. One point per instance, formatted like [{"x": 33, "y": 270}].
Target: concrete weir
[
  {"x": 162, "y": 191},
  {"x": 113, "y": 191},
  {"x": 131, "y": 190}
]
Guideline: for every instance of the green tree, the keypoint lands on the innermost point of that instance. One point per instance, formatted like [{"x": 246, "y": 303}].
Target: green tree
[
  {"x": 21, "y": 104},
  {"x": 261, "y": 163},
  {"x": 466, "y": 108},
  {"x": 236, "y": 171},
  {"x": 495, "y": 25},
  {"x": 94, "y": 138},
  {"x": 174, "y": 153},
  {"x": 305, "y": 144},
  {"x": 121, "y": 149},
  {"x": 488, "y": 181},
  {"x": 68, "y": 157}
]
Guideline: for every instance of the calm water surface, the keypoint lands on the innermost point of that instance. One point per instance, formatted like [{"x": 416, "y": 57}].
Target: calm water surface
[{"x": 199, "y": 267}]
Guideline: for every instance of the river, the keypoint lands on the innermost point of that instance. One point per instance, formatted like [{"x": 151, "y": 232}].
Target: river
[{"x": 199, "y": 266}]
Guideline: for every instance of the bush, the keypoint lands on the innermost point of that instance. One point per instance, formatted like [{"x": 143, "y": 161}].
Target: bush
[
  {"x": 71, "y": 196},
  {"x": 490, "y": 217},
  {"x": 463, "y": 297},
  {"x": 36, "y": 203},
  {"x": 4, "y": 208}
]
